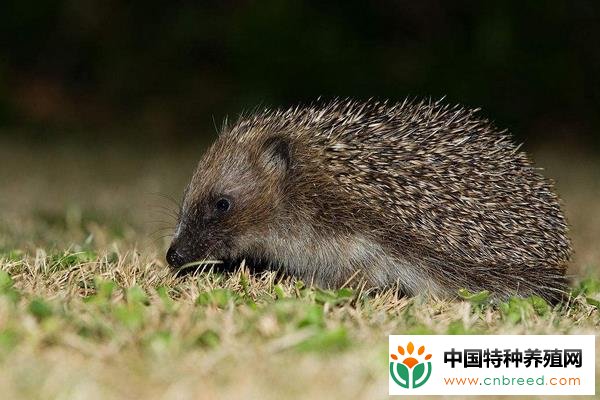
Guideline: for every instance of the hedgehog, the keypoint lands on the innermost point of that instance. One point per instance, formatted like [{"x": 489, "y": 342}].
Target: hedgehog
[{"x": 419, "y": 195}]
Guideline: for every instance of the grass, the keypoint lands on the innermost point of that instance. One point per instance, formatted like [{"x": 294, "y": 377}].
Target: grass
[
  {"x": 88, "y": 308},
  {"x": 113, "y": 325}
]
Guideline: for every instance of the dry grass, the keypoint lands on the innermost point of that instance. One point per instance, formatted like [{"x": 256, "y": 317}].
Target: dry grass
[{"x": 89, "y": 310}]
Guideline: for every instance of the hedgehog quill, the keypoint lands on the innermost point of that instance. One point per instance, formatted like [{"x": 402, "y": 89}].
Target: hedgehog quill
[{"x": 424, "y": 195}]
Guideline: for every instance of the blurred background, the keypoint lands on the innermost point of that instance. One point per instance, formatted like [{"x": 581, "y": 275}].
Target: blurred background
[
  {"x": 103, "y": 102},
  {"x": 89, "y": 67}
]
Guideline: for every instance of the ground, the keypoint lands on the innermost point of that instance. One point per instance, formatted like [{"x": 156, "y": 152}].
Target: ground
[{"x": 88, "y": 308}]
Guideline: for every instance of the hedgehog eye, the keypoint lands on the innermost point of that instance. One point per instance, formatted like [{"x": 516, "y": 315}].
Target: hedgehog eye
[{"x": 223, "y": 205}]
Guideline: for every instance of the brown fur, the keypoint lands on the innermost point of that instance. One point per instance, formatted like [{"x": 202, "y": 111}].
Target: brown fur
[{"x": 421, "y": 194}]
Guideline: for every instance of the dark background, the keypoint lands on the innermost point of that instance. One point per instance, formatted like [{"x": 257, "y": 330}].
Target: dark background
[{"x": 163, "y": 71}]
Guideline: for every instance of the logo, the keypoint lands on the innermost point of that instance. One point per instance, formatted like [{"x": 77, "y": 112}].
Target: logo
[
  {"x": 491, "y": 364},
  {"x": 410, "y": 371}
]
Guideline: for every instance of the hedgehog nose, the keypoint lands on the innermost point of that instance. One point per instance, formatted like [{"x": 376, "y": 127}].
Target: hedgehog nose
[{"x": 174, "y": 259}]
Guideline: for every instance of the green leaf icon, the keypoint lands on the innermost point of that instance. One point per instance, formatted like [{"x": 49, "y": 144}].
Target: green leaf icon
[
  {"x": 400, "y": 374},
  {"x": 421, "y": 373}
]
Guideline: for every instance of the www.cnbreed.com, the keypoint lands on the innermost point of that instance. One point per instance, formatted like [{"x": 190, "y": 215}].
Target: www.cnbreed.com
[{"x": 515, "y": 381}]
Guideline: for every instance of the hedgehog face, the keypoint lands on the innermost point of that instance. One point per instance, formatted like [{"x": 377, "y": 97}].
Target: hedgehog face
[{"x": 236, "y": 193}]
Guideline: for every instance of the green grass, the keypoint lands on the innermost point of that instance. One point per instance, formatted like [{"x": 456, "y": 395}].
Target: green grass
[
  {"x": 105, "y": 320},
  {"x": 88, "y": 308}
]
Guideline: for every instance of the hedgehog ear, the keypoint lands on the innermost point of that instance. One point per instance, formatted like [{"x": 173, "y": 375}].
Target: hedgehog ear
[{"x": 277, "y": 154}]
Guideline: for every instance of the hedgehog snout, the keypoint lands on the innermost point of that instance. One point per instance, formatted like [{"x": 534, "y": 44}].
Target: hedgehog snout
[
  {"x": 174, "y": 258},
  {"x": 193, "y": 244}
]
